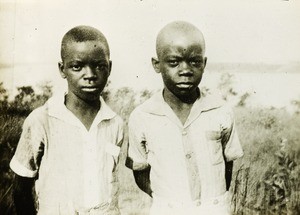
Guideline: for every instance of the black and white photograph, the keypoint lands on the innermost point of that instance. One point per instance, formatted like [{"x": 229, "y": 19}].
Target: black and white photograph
[{"x": 148, "y": 107}]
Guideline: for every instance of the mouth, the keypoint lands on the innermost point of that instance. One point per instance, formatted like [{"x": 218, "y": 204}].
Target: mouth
[
  {"x": 185, "y": 85},
  {"x": 90, "y": 89}
]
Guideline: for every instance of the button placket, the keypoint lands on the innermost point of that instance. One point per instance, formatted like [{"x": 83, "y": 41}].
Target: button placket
[
  {"x": 90, "y": 174},
  {"x": 192, "y": 167},
  {"x": 187, "y": 151}
]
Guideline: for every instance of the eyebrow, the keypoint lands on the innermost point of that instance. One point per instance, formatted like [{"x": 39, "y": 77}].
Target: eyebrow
[
  {"x": 83, "y": 61},
  {"x": 173, "y": 56},
  {"x": 179, "y": 56}
]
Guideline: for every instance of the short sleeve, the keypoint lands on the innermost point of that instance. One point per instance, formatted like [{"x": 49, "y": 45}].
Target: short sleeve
[
  {"x": 120, "y": 133},
  {"x": 137, "y": 143},
  {"x": 118, "y": 136},
  {"x": 230, "y": 139},
  {"x": 29, "y": 152}
]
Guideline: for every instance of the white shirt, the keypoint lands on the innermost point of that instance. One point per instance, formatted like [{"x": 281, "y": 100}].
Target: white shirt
[
  {"x": 74, "y": 166},
  {"x": 158, "y": 138}
]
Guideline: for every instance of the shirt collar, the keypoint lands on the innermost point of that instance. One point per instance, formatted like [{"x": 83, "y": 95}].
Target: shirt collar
[
  {"x": 56, "y": 108},
  {"x": 157, "y": 105}
]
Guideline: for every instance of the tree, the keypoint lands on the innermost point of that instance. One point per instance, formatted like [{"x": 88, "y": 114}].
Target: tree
[{"x": 3, "y": 98}]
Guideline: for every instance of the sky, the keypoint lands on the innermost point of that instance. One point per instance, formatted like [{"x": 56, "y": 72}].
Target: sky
[{"x": 248, "y": 31}]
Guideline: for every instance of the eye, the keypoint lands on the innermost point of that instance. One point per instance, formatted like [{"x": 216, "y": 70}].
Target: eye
[
  {"x": 101, "y": 66},
  {"x": 76, "y": 67},
  {"x": 173, "y": 63},
  {"x": 196, "y": 63}
]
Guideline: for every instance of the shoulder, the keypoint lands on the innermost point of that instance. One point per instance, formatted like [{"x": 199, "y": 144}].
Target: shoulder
[
  {"x": 38, "y": 115},
  {"x": 218, "y": 109},
  {"x": 225, "y": 114},
  {"x": 153, "y": 105},
  {"x": 108, "y": 114},
  {"x": 112, "y": 118},
  {"x": 142, "y": 109},
  {"x": 117, "y": 120},
  {"x": 214, "y": 100}
]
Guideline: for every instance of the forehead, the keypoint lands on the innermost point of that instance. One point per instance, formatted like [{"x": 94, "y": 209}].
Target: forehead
[
  {"x": 87, "y": 48},
  {"x": 181, "y": 43},
  {"x": 181, "y": 48}
]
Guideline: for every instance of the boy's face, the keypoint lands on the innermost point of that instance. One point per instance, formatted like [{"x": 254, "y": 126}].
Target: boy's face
[
  {"x": 86, "y": 66},
  {"x": 181, "y": 63}
]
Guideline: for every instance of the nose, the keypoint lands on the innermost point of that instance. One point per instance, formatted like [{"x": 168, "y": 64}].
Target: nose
[
  {"x": 185, "y": 69},
  {"x": 89, "y": 73}
]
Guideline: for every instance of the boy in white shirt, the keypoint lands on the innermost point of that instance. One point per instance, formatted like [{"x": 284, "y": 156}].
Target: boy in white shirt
[
  {"x": 181, "y": 144},
  {"x": 69, "y": 147}
]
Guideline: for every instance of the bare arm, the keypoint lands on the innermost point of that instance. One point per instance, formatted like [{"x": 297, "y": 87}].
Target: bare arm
[
  {"x": 228, "y": 173},
  {"x": 141, "y": 173},
  {"x": 142, "y": 179},
  {"x": 23, "y": 195}
]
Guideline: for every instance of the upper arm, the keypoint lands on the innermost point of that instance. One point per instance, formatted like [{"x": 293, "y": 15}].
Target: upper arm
[
  {"x": 29, "y": 152},
  {"x": 230, "y": 139},
  {"x": 115, "y": 148},
  {"x": 137, "y": 148}
]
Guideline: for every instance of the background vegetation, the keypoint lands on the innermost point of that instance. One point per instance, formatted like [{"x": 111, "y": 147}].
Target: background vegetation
[{"x": 265, "y": 181}]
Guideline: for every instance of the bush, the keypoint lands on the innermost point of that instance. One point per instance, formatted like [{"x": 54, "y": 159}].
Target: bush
[
  {"x": 266, "y": 178},
  {"x": 12, "y": 116}
]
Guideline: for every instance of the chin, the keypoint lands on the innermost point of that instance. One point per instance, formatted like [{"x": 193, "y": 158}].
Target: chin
[
  {"x": 185, "y": 92},
  {"x": 91, "y": 98}
]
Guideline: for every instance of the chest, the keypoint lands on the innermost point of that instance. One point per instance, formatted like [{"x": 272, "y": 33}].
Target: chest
[
  {"x": 73, "y": 146},
  {"x": 182, "y": 112},
  {"x": 202, "y": 137}
]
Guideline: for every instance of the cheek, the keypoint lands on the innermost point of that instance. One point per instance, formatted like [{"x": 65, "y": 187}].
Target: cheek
[
  {"x": 166, "y": 77},
  {"x": 72, "y": 81},
  {"x": 168, "y": 72},
  {"x": 103, "y": 76},
  {"x": 199, "y": 74}
]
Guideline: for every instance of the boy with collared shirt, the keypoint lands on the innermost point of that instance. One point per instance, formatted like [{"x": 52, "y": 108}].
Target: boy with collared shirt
[
  {"x": 69, "y": 147},
  {"x": 181, "y": 144}
]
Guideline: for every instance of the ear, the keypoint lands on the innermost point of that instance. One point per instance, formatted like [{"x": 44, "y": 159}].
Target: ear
[
  {"x": 155, "y": 64},
  {"x": 205, "y": 61},
  {"x": 110, "y": 66},
  {"x": 61, "y": 70}
]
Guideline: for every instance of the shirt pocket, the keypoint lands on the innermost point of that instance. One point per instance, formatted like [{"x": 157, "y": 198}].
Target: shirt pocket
[{"x": 213, "y": 139}]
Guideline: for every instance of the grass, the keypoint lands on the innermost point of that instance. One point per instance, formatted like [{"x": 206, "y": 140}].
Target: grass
[
  {"x": 265, "y": 180},
  {"x": 10, "y": 131}
]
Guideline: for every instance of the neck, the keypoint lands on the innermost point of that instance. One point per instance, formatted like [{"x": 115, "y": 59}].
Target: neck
[
  {"x": 85, "y": 111},
  {"x": 172, "y": 99},
  {"x": 180, "y": 105},
  {"x": 76, "y": 104}
]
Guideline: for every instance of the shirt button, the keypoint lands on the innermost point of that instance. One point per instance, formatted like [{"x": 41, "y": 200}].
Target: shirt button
[
  {"x": 188, "y": 156},
  {"x": 215, "y": 201},
  {"x": 184, "y": 132}
]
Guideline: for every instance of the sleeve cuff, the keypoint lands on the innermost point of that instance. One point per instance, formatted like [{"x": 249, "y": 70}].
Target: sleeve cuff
[
  {"x": 139, "y": 166},
  {"x": 20, "y": 170},
  {"x": 131, "y": 164},
  {"x": 234, "y": 157}
]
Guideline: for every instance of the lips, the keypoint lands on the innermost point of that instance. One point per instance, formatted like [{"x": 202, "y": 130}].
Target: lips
[
  {"x": 90, "y": 88},
  {"x": 185, "y": 85}
]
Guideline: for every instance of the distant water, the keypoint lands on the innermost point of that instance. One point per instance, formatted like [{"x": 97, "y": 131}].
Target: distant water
[
  {"x": 267, "y": 87},
  {"x": 276, "y": 89}
]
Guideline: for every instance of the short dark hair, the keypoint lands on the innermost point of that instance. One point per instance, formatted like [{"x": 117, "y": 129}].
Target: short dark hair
[{"x": 82, "y": 33}]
